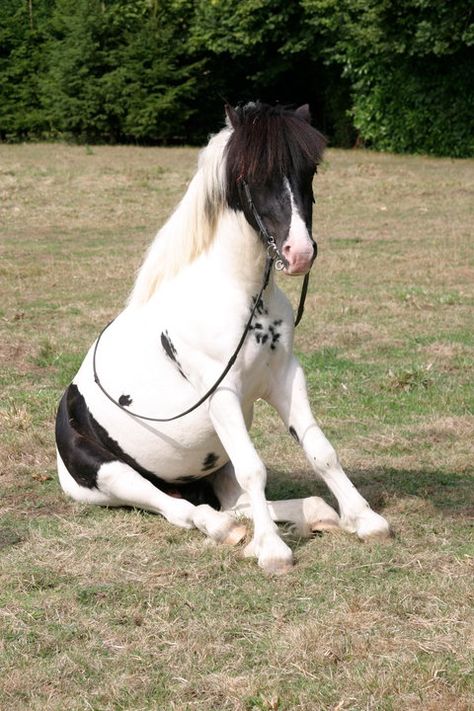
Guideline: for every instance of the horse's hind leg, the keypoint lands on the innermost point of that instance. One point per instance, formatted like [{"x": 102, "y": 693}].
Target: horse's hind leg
[
  {"x": 118, "y": 484},
  {"x": 307, "y": 516}
]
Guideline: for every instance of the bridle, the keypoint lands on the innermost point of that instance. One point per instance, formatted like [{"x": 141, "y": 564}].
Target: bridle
[
  {"x": 274, "y": 258},
  {"x": 272, "y": 249}
]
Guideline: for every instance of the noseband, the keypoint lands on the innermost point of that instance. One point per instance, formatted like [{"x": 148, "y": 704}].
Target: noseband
[{"x": 274, "y": 258}]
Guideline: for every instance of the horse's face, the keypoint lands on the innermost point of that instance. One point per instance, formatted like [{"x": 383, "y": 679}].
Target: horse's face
[
  {"x": 275, "y": 151},
  {"x": 286, "y": 209}
]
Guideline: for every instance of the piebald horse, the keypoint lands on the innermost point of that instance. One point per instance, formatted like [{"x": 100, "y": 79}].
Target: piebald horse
[{"x": 203, "y": 287}]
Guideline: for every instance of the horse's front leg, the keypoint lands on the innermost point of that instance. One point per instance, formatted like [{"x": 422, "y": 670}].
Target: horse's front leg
[
  {"x": 289, "y": 397},
  {"x": 225, "y": 410}
]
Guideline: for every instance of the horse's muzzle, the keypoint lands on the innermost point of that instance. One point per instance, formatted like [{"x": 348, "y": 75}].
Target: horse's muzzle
[{"x": 299, "y": 261}]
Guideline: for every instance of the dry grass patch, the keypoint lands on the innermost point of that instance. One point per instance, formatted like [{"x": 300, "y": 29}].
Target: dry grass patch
[{"x": 115, "y": 609}]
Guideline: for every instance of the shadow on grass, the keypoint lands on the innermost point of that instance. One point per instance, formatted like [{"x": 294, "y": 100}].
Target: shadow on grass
[{"x": 449, "y": 492}]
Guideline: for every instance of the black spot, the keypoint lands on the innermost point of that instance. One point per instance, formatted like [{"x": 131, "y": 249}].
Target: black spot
[
  {"x": 292, "y": 432},
  {"x": 84, "y": 445},
  {"x": 125, "y": 400},
  {"x": 261, "y": 308},
  {"x": 275, "y": 338},
  {"x": 168, "y": 346},
  {"x": 265, "y": 338},
  {"x": 171, "y": 351},
  {"x": 258, "y": 325},
  {"x": 278, "y": 322},
  {"x": 210, "y": 462}
]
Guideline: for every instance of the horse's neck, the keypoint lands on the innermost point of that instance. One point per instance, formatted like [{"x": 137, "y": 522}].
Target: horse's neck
[
  {"x": 223, "y": 244},
  {"x": 237, "y": 252}
]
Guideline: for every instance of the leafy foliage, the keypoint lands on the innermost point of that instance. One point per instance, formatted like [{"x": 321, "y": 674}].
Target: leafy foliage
[
  {"x": 410, "y": 67},
  {"x": 396, "y": 75},
  {"x": 116, "y": 71}
]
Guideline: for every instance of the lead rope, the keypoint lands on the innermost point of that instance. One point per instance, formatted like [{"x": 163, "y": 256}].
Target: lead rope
[
  {"x": 268, "y": 268},
  {"x": 273, "y": 255},
  {"x": 304, "y": 291}
]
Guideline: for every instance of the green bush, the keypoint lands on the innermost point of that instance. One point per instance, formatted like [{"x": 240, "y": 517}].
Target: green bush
[
  {"x": 417, "y": 107},
  {"x": 395, "y": 74}
]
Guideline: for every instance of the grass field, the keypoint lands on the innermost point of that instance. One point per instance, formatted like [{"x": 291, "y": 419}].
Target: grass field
[{"x": 115, "y": 609}]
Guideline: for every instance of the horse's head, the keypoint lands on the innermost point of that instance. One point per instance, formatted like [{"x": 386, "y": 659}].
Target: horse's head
[{"x": 275, "y": 152}]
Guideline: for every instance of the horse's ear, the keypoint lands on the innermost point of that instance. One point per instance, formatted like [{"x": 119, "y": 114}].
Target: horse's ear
[
  {"x": 232, "y": 116},
  {"x": 303, "y": 113}
]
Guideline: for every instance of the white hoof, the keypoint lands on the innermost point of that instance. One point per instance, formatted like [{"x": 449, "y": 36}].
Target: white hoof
[
  {"x": 219, "y": 526},
  {"x": 367, "y": 525},
  {"x": 236, "y": 534},
  {"x": 318, "y": 516},
  {"x": 250, "y": 550},
  {"x": 273, "y": 555},
  {"x": 373, "y": 526}
]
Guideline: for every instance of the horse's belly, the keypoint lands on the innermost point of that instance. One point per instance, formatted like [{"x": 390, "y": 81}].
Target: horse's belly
[
  {"x": 177, "y": 455},
  {"x": 185, "y": 448}
]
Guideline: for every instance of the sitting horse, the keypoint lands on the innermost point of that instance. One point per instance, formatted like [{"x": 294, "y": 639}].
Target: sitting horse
[{"x": 158, "y": 414}]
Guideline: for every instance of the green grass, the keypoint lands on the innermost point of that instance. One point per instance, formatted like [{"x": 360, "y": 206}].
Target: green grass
[{"x": 115, "y": 609}]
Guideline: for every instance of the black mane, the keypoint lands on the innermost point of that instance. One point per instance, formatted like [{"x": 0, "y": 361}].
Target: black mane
[{"x": 267, "y": 143}]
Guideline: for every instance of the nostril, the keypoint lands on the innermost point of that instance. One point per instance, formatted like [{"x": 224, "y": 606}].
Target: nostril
[{"x": 286, "y": 250}]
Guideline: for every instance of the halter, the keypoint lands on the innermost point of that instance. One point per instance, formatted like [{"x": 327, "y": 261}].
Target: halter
[
  {"x": 273, "y": 258},
  {"x": 272, "y": 250}
]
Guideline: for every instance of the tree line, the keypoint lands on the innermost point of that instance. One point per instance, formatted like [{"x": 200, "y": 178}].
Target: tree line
[{"x": 396, "y": 75}]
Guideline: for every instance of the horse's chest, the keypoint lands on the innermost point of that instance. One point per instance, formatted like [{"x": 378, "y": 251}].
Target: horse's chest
[{"x": 266, "y": 347}]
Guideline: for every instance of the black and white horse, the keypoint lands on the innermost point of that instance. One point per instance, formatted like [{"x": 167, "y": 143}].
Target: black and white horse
[{"x": 192, "y": 298}]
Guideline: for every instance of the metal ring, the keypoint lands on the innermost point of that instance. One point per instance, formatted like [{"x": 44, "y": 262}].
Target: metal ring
[
  {"x": 272, "y": 250},
  {"x": 279, "y": 265}
]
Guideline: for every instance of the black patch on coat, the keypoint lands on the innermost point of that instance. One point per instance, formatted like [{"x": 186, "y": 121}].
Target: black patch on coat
[
  {"x": 125, "y": 400},
  {"x": 84, "y": 446},
  {"x": 292, "y": 432},
  {"x": 171, "y": 352},
  {"x": 275, "y": 336},
  {"x": 209, "y": 462},
  {"x": 261, "y": 309},
  {"x": 270, "y": 335}
]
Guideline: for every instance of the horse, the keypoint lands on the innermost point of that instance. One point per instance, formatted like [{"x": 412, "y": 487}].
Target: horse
[{"x": 155, "y": 419}]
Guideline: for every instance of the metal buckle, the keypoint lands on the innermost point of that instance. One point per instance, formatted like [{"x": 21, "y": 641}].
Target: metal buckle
[
  {"x": 272, "y": 249},
  {"x": 273, "y": 253}
]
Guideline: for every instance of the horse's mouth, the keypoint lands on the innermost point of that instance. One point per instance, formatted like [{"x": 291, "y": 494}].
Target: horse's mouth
[{"x": 295, "y": 270}]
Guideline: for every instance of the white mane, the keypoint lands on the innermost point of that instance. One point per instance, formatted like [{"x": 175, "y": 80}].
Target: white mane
[{"x": 191, "y": 228}]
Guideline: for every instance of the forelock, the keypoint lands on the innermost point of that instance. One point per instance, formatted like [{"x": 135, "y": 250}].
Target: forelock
[{"x": 269, "y": 142}]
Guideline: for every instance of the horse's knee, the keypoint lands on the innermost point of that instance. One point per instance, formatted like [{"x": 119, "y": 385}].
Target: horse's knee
[{"x": 252, "y": 477}]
